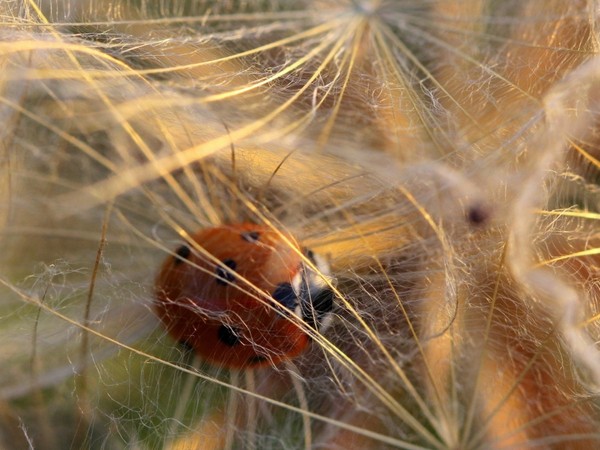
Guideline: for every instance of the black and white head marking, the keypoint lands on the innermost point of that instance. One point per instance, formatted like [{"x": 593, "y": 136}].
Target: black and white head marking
[{"x": 314, "y": 293}]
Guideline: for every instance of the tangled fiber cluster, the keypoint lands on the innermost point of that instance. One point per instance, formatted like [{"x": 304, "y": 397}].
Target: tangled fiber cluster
[{"x": 443, "y": 157}]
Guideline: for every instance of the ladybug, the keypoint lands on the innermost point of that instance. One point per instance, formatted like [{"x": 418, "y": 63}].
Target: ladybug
[{"x": 232, "y": 295}]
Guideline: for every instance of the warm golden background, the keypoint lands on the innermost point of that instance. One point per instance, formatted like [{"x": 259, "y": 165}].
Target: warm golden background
[{"x": 442, "y": 155}]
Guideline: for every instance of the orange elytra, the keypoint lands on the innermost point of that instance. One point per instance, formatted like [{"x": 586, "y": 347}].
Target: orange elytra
[{"x": 231, "y": 295}]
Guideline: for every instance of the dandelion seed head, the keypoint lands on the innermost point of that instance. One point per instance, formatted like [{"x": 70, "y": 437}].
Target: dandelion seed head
[{"x": 440, "y": 157}]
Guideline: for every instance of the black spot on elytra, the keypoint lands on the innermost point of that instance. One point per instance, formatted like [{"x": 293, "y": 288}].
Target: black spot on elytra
[
  {"x": 285, "y": 295},
  {"x": 317, "y": 306},
  {"x": 228, "y": 335},
  {"x": 181, "y": 254},
  {"x": 225, "y": 276},
  {"x": 253, "y": 360},
  {"x": 251, "y": 236}
]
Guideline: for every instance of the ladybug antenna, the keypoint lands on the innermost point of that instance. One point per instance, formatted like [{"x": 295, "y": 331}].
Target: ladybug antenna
[
  {"x": 261, "y": 193},
  {"x": 234, "y": 178},
  {"x": 232, "y": 146}
]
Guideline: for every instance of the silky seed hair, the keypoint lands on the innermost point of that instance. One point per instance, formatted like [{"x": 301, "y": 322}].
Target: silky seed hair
[{"x": 440, "y": 156}]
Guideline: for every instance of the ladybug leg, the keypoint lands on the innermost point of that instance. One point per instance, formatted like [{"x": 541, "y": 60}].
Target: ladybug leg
[{"x": 187, "y": 347}]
